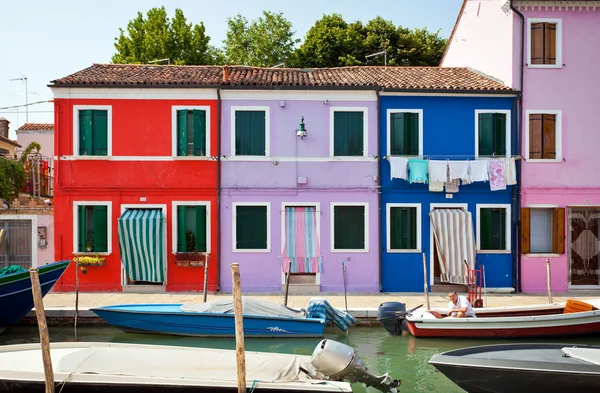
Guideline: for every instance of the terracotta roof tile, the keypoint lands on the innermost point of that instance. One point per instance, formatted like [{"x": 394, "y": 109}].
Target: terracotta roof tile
[
  {"x": 394, "y": 78},
  {"x": 9, "y": 141},
  {"x": 36, "y": 127}
]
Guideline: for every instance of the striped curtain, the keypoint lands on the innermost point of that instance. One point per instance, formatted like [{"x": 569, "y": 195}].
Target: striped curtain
[
  {"x": 455, "y": 243},
  {"x": 141, "y": 235},
  {"x": 301, "y": 245}
]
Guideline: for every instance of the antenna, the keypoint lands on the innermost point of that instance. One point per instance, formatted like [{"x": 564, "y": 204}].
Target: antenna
[
  {"x": 24, "y": 78},
  {"x": 159, "y": 60},
  {"x": 278, "y": 65},
  {"x": 384, "y": 53}
]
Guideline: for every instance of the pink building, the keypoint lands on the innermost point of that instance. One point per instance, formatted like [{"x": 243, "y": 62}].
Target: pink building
[{"x": 549, "y": 50}]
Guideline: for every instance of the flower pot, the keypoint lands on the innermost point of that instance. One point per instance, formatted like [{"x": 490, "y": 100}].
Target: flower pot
[{"x": 189, "y": 263}]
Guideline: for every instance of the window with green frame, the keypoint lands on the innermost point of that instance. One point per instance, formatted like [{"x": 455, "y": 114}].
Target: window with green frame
[
  {"x": 348, "y": 133},
  {"x": 251, "y": 228},
  {"x": 403, "y": 228},
  {"x": 349, "y": 228},
  {"x": 492, "y": 134},
  {"x": 250, "y": 133},
  {"x": 191, "y": 228},
  {"x": 492, "y": 228},
  {"x": 92, "y": 223},
  {"x": 191, "y": 132},
  {"x": 93, "y": 132},
  {"x": 404, "y": 134}
]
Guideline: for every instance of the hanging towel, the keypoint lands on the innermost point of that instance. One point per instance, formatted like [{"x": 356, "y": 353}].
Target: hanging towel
[
  {"x": 436, "y": 186},
  {"x": 496, "y": 173},
  {"x": 438, "y": 171},
  {"x": 459, "y": 170},
  {"x": 510, "y": 172},
  {"x": 418, "y": 170},
  {"x": 452, "y": 186},
  {"x": 398, "y": 166},
  {"x": 479, "y": 170}
]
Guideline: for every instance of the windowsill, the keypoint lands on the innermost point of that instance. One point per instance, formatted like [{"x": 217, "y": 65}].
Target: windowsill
[
  {"x": 544, "y": 65},
  {"x": 253, "y": 250},
  {"x": 549, "y": 160},
  {"x": 350, "y": 251},
  {"x": 397, "y": 251},
  {"x": 406, "y": 155},
  {"x": 199, "y": 158},
  {"x": 204, "y": 253},
  {"x": 479, "y": 157},
  {"x": 92, "y": 253},
  {"x": 78, "y": 157},
  {"x": 501, "y": 252},
  {"x": 542, "y": 255}
]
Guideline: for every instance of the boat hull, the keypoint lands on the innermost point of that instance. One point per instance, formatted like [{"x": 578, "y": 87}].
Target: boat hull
[
  {"x": 168, "y": 319},
  {"x": 16, "y": 297}
]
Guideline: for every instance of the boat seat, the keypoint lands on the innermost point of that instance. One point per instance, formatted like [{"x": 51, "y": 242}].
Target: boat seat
[
  {"x": 576, "y": 306},
  {"x": 590, "y": 355}
]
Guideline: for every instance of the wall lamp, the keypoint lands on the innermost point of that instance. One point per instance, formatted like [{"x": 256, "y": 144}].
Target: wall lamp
[{"x": 301, "y": 132}]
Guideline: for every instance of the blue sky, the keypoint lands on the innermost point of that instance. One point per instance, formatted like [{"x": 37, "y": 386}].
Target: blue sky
[{"x": 45, "y": 40}]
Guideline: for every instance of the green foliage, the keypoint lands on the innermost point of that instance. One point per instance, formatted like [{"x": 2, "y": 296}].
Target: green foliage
[
  {"x": 12, "y": 178},
  {"x": 190, "y": 239},
  {"x": 33, "y": 145},
  {"x": 263, "y": 42}
]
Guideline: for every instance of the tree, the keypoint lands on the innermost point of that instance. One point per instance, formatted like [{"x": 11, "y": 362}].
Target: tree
[
  {"x": 32, "y": 146},
  {"x": 12, "y": 178},
  {"x": 158, "y": 37},
  {"x": 263, "y": 42}
]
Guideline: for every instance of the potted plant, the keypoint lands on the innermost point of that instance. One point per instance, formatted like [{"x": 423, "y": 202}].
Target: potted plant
[
  {"x": 89, "y": 244},
  {"x": 189, "y": 259},
  {"x": 86, "y": 260}
]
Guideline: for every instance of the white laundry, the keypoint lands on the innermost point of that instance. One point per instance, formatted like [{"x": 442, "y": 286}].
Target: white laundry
[
  {"x": 438, "y": 171},
  {"x": 479, "y": 170},
  {"x": 459, "y": 170},
  {"x": 398, "y": 167},
  {"x": 436, "y": 186},
  {"x": 510, "y": 171}
]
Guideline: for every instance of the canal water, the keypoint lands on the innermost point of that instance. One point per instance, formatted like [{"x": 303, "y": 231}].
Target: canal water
[{"x": 404, "y": 357}]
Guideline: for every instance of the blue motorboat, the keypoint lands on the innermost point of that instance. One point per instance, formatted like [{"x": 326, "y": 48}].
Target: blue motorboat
[
  {"x": 216, "y": 318},
  {"x": 16, "y": 297}
]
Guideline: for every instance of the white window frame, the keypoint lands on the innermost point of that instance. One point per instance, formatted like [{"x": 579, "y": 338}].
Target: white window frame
[
  {"x": 234, "y": 206},
  {"x": 174, "y": 222},
  {"x": 365, "y": 205},
  {"x": 508, "y": 130},
  {"x": 174, "y": 110},
  {"x": 557, "y": 137},
  {"x": 546, "y": 254},
  {"x": 76, "y": 110},
  {"x": 267, "y": 111},
  {"x": 365, "y": 111},
  {"x": 108, "y": 205},
  {"x": 389, "y": 129},
  {"x": 388, "y": 228},
  {"x": 559, "y": 61},
  {"x": 507, "y": 217}
]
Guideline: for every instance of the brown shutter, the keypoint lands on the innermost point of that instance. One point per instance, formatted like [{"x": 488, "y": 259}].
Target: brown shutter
[
  {"x": 559, "y": 231},
  {"x": 549, "y": 136},
  {"x": 535, "y": 136},
  {"x": 549, "y": 43},
  {"x": 555, "y": 231},
  {"x": 525, "y": 227},
  {"x": 537, "y": 43}
]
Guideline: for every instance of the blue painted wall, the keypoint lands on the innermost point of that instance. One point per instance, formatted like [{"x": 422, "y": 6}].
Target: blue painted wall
[{"x": 448, "y": 133}]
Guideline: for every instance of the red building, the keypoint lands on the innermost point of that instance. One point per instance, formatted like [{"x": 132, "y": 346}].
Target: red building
[{"x": 136, "y": 180}]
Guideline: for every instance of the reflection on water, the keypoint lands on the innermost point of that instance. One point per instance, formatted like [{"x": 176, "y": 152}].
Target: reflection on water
[{"x": 403, "y": 357}]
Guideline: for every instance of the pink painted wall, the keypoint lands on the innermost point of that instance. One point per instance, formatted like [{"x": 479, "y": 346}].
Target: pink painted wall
[
  {"x": 45, "y": 255},
  {"x": 44, "y": 138}
]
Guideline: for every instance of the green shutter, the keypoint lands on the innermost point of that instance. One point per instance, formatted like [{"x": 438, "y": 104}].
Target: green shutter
[
  {"x": 492, "y": 228},
  {"x": 404, "y": 134},
  {"x": 403, "y": 228},
  {"x": 100, "y": 228},
  {"x": 181, "y": 232},
  {"x": 499, "y": 125},
  {"x": 251, "y": 227},
  {"x": 85, "y": 133},
  {"x": 201, "y": 228},
  {"x": 485, "y": 229},
  {"x": 348, "y": 134},
  {"x": 250, "y": 133},
  {"x": 81, "y": 228},
  {"x": 199, "y": 133},
  {"x": 486, "y": 134},
  {"x": 182, "y": 132},
  {"x": 100, "y": 133},
  {"x": 349, "y": 227},
  {"x": 397, "y": 142},
  {"x": 412, "y": 133}
]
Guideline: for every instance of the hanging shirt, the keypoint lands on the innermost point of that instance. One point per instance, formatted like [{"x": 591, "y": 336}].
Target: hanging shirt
[
  {"x": 398, "y": 167},
  {"x": 418, "y": 171},
  {"x": 496, "y": 173},
  {"x": 462, "y": 302}
]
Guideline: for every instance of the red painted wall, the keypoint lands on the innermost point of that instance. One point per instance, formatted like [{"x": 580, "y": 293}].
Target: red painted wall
[{"x": 139, "y": 128}]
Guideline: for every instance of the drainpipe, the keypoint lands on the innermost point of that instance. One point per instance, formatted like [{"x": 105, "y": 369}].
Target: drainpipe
[
  {"x": 219, "y": 188},
  {"x": 519, "y": 128},
  {"x": 379, "y": 229}
]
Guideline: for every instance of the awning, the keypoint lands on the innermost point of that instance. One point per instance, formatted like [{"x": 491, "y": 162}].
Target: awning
[
  {"x": 141, "y": 235},
  {"x": 455, "y": 243}
]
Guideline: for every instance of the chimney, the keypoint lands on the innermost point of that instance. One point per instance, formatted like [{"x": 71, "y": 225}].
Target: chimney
[
  {"x": 4, "y": 127},
  {"x": 225, "y": 73}
]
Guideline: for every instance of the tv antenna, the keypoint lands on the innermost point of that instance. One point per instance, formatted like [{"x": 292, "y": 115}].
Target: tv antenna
[
  {"x": 384, "y": 53},
  {"x": 24, "y": 78}
]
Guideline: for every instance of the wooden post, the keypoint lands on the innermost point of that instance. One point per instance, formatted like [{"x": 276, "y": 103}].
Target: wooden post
[
  {"x": 425, "y": 286},
  {"x": 344, "y": 278},
  {"x": 239, "y": 327},
  {"x": 287, "y": 283},
  {"x": 76, "y": 296},
  {"x": 549, "y": 277},
  {"x": 206, "y": 278},
  {"x": 43, "y": 328}
]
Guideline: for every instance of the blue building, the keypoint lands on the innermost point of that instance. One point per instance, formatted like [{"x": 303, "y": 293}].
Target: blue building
[{"x": 462, "y": 132}]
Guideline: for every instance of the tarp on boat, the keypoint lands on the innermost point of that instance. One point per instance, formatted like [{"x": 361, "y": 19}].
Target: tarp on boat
[
  {"x": 320, "y": 308},
  {"x": 10, "y": 269}
]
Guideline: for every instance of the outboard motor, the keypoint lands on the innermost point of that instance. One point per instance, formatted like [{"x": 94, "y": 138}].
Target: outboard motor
[
  {"x": 392, "y": 316},
  {"x": 339, "y": 361}
]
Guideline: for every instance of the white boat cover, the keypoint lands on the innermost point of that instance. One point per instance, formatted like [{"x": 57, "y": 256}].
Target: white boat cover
[
  {"x": 590, "y": 355},
  {"x": 250, "y": 306}
]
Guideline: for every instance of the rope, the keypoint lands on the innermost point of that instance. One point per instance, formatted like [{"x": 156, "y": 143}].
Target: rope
[{"x": 254, "y": 384}]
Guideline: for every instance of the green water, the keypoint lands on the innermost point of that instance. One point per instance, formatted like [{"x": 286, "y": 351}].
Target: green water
[{"x": 404, "y": 357}]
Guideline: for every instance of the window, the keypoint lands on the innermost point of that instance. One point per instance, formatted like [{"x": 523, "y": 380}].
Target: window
[
  {"x": 348, "y": 126},
  {"x": 493, "y": 227},
  {"x": 404, "y": 227},
  {"x": 251, "y": 132},
  {"x": 544, "y": 135},
  {"x": 350, "y": 227},
  {"x": 191, "y": 132},
  {"x": 92, "y": 131},
  {"x": 405, "y": 132},
  {"x": 493, "y": 133},
  {"x": 192, "y": 228},
  {"x": 251, "y": 227},
  {"x": 543, "y": 230},
  {"x": 91, "y": 228},
  {"x": 545, "y": 36}
]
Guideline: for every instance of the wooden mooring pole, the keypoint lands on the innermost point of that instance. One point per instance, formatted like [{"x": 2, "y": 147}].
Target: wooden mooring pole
[
  {"x": 549, "y": 278},
  {"x": 239, "y": 328},
  {"x": 287, "y": 283},
  {"x": 76, "y": 296},
  {"x": 425, "y": 286},
  {"x": 40, "y": 314},
  {"x": 206, "y": 279}
]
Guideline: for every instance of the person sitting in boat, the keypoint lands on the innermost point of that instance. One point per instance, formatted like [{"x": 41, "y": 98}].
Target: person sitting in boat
[{"x": 459, "y": 306}]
